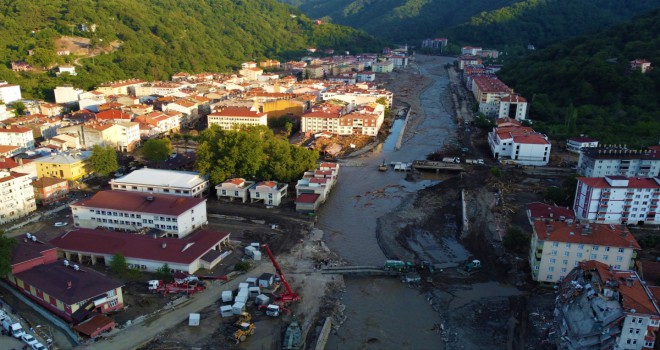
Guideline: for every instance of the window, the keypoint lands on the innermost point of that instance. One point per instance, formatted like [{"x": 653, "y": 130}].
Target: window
[
  {"x": 607, "y": 249},
  {"x": 594, "y": 248},
  {"x": 563, "y": 270},
  {"x": 113, "y": 303},
  {"x": 555, "y": 244},
  {"x": 536, "y": 267},
  {"x": 568, "y": 245},
  {"x": 567, "y": 253},
  {"x": 654, "y": 323},
  {"x": 551, "y": 269},
  {"x": 605, "y": 257},
  {"x": 619, "y": 259},
  {"x": 620, "y": 250},
  {"x": 548, "y": 277},
  {"x": 579, "y": 255},
  {"x": 166, "y": 190},
  {"x": 592, "y": 256},
  {"x": 580, "y": 246},
  {"x": 565, "y": 262},
  {"x": 553, "y": 260}
]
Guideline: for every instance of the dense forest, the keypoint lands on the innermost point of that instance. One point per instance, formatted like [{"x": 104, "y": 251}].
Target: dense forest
[
  {"x": 585, "y": 85},
  {"x": 495, "y": 23},
  {"x": 155, "y": 38}
]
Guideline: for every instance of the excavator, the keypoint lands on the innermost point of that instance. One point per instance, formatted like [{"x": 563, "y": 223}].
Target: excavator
[{"x": 288, "y": 296}]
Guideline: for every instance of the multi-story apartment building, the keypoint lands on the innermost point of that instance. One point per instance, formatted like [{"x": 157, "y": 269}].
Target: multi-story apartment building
[
  {"x": 557, "y": 247},
  {"x": 123, "y": 136},
  {"x": 383, "y": 67},
  {"x": 324, "y": 117},
  {"x": 618, "y": 200},
  {"x": 67, "y": 94},
  {"x": 122, "y": 87},
  {"x": 158, "y": 123},
  {"x": 232, "y": 117},
  {"x": 48, "y": 190},
  {"x": 9, "y": 92},
  {"x": 16, "y": 196},
  {"x": 520, "y": 145},
  {"x": 513, "y": 106},
  {"x": 18, "y": 136},
  {"x": 357, "y": 96},
  {"x": 69, "y": 166},
  {"x": 576, "y": 144},
  {"x": 599, "y": 307},
  {"x": 133, "y": 211},
  {"x": 488, "y": 90},
  {"x": 437, "y": 43},
  {"x": 618, "y": 160},
  {"x": 170, "y": 182}
]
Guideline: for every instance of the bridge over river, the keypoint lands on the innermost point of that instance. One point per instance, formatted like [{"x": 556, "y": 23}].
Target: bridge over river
[{"x": 374, "y": 270}]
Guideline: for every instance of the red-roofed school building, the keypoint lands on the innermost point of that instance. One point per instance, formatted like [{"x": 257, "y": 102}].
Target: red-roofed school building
[{"x": 519, "y": 145}]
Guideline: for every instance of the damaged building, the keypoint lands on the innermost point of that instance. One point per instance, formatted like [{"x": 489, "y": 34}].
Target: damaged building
[{"x": 601, "y": 308}]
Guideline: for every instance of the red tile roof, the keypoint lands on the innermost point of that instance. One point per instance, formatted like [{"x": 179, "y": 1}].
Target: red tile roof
[
  {"x": 53, "y": 279},
  {"x": 162, "y": 249},
  {"x": 139, "y": 202},
  {"x": 236, "y": 181},
  {"x": 533, "y": 139},
  {"x": 7, "y": 163},
  {"x": 491, "y": 84},
  {"x": 540, "y": 210},
  {"x": 601, "y": 182},
  {"x": 112, "y": 114},
  {"x": 47, "y": 181},
  {"x": 15, "y": 129},
  {"x": 271, "y": 184},
  {"x": 599, "y": 234},
  {"x": 27, "y": 249},
  {"x": 308, "y": 198}
]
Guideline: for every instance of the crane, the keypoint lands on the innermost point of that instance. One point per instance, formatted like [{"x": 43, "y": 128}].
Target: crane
[{"x": 289, "y": 296}]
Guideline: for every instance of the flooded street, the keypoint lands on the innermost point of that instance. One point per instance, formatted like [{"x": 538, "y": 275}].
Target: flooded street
[{"x": 384, "y": 313}]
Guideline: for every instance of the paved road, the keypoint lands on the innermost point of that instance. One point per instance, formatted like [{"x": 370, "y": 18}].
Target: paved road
[{"x": 140, "y": 334}]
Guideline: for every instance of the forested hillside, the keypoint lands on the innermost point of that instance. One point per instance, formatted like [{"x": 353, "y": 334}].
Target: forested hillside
[
  {"x": 158, "y": 37},
  {"x": 494, "y": 23},
  {"x": 586, "y": 86}
]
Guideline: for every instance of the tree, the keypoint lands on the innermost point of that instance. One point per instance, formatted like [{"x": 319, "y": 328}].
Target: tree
[
  {"x": 288, "y": 127},
  {"x": 118, "y": 264},
  {"x": 19, "y": 108},
  {"x": 157, "y": 150},
  {"x": 103, "y": 160},
  {"x": 515, "y": 240},
  {"x": 164, "y": 273},
  {"x": 7, "y": 245}
]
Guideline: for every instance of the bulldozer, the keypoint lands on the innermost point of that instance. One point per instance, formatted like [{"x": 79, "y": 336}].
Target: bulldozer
[{"x": 244, "y": 330}]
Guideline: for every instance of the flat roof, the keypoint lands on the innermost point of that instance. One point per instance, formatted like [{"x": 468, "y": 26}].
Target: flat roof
[
  {"x": 65, "y": 158},
  {"x": 161, "y": 178},
  {"x": 132, "y": 245},
  {"x": 140, "y": 202},
  {"x": 66, "y": 284}
]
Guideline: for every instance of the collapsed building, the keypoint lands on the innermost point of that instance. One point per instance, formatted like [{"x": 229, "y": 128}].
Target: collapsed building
[{"x": 601, "y": 308}]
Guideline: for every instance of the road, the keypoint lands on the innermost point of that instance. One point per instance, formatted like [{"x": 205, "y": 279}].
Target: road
[{"x": 137, "y": 335}]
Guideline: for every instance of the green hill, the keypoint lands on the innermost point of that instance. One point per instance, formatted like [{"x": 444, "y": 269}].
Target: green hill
[
  {"x": 586, "y": 86},
  {"x": 156, "y": 38},
  {"x": 491, "y": 23}
]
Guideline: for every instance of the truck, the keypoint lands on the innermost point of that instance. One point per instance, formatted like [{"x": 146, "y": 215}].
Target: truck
[
  {"x": 398, "y": 265},
  {"x": 451, "y": 160},
  {"x": 475, "y": 161},
  {"x": 13, "y": 328}
]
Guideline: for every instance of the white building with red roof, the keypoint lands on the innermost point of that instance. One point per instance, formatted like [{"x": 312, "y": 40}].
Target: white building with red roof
[
  {"x": 618, "y": 199},
  {"x": 270, "y": 192},
  {"x": 557, "y": 247},
  {"x": 599, "y": 307},
  {"x": 231, "y": 117},
  {"x": 18, "y": 136},
  {"x": 203, "y": 249},
  {"x": 640, "y": 65},
  {"x": 519, "y": 145},
  {"x": 488, "y": 90},
  {"x": 158, "y": 123},
  {"x": 16, "y": 196},
  {"x": 513, "y": 106},
  {"x": 161, "y": 181},
  {"x": 234, "y": 188},
  {"x": 470, "y": 50},
  {"x": 134, "y": 211}
]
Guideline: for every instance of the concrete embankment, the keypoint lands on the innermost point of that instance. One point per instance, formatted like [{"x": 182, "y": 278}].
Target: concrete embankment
[{"x": 403, "y": 130}]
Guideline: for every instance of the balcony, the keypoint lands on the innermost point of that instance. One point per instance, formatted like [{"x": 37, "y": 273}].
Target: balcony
[{"x": 628, "y": 199}]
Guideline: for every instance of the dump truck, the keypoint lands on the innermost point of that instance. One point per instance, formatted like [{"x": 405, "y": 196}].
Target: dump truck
[{"x": 451, "y": 160}]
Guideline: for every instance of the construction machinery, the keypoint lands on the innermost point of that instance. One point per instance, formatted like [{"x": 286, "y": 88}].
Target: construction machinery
[
  {"x": 398, "y": 265},
  {"x": 244, "y": 317},
  {"x": 244, "y": 330},
  {"x": 190, "y": 288},
  {"x": 470, "y": 268},
  {"x": 288, "y": 296}
]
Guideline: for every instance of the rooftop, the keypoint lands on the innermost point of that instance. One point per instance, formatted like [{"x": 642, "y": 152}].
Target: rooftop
[
  {"x": 625, "y": 182},
  {"x": 308, "y": 198},
  {"x": 65, "y": 158},
  {"x": 28, "y": 249},
  {"x": 140, "y": 202},
  {"x": 163, "y": 178},
  {"x": 171, "y": 250},
  {"x": 540, "y": 210},
  {"x": 616, "y": 236},
  {"x": 237, "y": 112}
]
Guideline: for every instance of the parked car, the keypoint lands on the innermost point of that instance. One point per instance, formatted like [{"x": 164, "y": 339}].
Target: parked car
[
  {"x": 38, "y": 346},
  {"x": 60, "y": 224},
  {"x": 28, "y": 339}
]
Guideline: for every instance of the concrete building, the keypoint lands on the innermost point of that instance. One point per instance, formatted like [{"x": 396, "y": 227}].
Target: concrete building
[
  {"x": 234, "y": 188},
  {"x": 48, "y": 190},
  {"x": 641, "y": 65},
  {"x": 618, "y": 200},
  {"x": 9, "y": 92},
  {"x": 599, "y": 307},
  {"x": 513, "y": 106},
  {"x": 608, "y": 160},
  {"x": 16, "y": 196},
  {"x": 158, "y": 123},
  {"x": 308, "y": 203},
  {"x": 470, "y": 50},
  {"x": 159, "y": 181},
  {"x": 67, "y": 290},
  {"x": 232, "y": 117},
  {"x": 383, "y": 67},
  {"x": 538, "y": 211},
  {"x": 203, "y": 249},
  {"x": 576, "y": 144},
  {"x": 67, "y": 94},
  {"x": 134, "y": 211},
  {"x": 69, "y": 166},
  {"x": 121, "y": 87},
  {"x": 488, "y": 90},
  {"x": 18, "y": 136},
  {"x": 270, "y": 192},
  {"x": 557, "y": 247},
  {"x": 519, "y": 145},
  {"x": 437, "y": 43},
  {"x": 120, "y": 135},
  {"x": 358, "y": 96}
]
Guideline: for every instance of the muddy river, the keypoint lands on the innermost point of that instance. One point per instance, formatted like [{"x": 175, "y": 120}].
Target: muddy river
[{"x": 383, "y": 313}]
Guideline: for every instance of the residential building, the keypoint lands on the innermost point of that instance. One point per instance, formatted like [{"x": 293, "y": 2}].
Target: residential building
[
  {"x": 468, "y": 60},
  {"x": 308, "y": 203},
  {"x": 617, "y": 199},
  {"x": 519, "y": 145},
  {"x": 18, "y": 136},
  {"x": 470, "y": 50},
  {"x": 158, "y": 123},
  {"x": 91, "y": 100},
  {"x": 249, "y": 64},
  {"x": 113, "y": 115},
  {"x": 513, "y": 106},
  {"x": 203, "y": 249},
  {"x": 159, "y": 181},
  {"x": 313, "y": 185},
  {"x": 488, "y": 90},
  {"x": 232, "y": 117},
  {"x": 557, "y": 247},
  {"x": 366, "y": 76},
  {"x": 234, "y": 188},
  {"x": 123, "y": 136},
  {"x": 399, "y": 60},
  {"x": 576, "y": 144},
  {"x": 134, "y": 211},
  {"x": 363, "y": 121},
  {"x": 538, "y": 211},
  {"x": 268, "y": 64},
  {"x": 65, "y": 289},
  {"x": 9, "y": 92},
  {"x": 641, "y": 65},
  {"x": 270, "y": 192},
  {"x": 383, "y": 67},
  {"x": 608, "y": 160},
  {"x": 599, "y": 307},
  {"x": 437, "y": 43},
  {"x": 122, "y": 87},
  {"x": 66, "y": 69},
  {"x": 324, "y": 117},
  {"x": 49, "y": 190},
  {"x": 67, "y": 94},
  {"x": 251, "y": 74},
  {"x": 313, "y": 72},
  {"x": 69, "y": 166},
  {"x": 16, "y": 196},
  {"x": 358, "y": 96}
]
